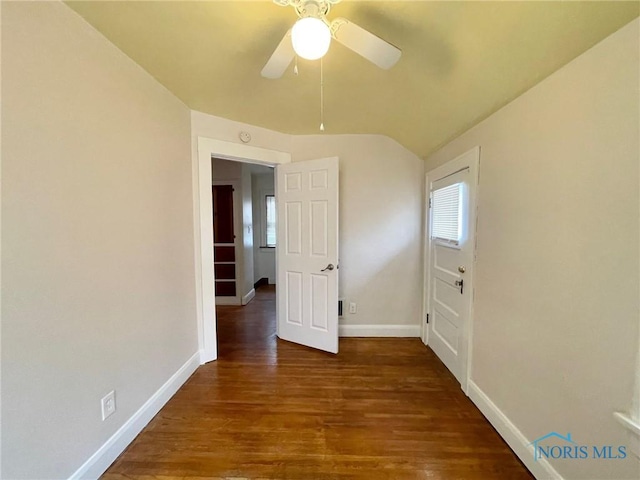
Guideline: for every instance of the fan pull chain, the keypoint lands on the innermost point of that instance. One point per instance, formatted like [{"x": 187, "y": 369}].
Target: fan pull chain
[
  {"x": 321, "y": 97},
  {"x": 295, "y": 67}
]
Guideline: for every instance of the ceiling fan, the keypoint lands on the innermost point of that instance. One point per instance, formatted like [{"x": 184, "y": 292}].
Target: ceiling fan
[{"x": 311, "y": 36}]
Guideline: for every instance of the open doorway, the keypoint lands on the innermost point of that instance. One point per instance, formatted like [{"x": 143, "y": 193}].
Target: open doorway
[
  {"x": 244, "y": 244},
  {"x": 244, "y": 230},
  {"x": 206, "y": 149}
]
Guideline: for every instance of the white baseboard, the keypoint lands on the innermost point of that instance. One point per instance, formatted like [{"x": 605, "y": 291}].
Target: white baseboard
[
  {"x": 228, "y": 301},
  {"x": 249, "y": 296},
  {"x": 540, "y": 469},
  {"x": 633, "y": 431},
  {"x": 379, "y": 330},
  {"x": 98, "y": 463},
  {"x": 206, "y": 357}
]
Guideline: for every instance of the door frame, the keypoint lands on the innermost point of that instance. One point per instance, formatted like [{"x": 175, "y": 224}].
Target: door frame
[
  {"x": 207, "y": 148},
  {"x": 470, "y": 159}
]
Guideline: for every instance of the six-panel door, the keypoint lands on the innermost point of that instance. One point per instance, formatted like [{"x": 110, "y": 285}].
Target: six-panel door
[{"x": 307, "y": 211}]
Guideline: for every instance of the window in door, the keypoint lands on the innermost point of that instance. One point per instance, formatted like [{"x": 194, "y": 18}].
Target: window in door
[{"x": 446, "y": 210}]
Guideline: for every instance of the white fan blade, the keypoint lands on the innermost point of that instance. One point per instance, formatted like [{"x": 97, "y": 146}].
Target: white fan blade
[
  {"x": 365, "y": 43},
  {"x": 280, "y": 59}
]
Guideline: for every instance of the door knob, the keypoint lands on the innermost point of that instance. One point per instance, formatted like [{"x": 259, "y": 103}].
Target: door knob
[
  {"x": 328, "y": 267},
  {"x": 461, "y": 269}
]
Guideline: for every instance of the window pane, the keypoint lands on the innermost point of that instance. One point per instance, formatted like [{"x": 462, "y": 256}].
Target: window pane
[
  {"x": 446, "y": 212},
  {"x": 271, "y": 220}
]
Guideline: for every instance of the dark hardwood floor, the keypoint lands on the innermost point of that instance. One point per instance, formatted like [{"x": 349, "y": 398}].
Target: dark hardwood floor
[{"x": 381, "y": 409}]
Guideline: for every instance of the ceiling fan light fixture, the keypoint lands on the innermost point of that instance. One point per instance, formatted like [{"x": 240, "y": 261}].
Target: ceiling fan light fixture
[{"x": 311, "y": 38}]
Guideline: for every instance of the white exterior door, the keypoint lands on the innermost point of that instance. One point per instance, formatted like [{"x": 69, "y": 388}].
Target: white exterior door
[
  {"x": 451, "y": 240},
  {"x": 307, "y": 253}
]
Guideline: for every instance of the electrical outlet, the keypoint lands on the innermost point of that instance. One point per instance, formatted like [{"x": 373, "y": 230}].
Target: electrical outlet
[
  {"x": 353, "y": 308},
  {"x": 108, "y": 404}
]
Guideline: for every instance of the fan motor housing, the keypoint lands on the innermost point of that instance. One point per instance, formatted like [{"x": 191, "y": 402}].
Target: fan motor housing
[{"x": 309, "y": 8}]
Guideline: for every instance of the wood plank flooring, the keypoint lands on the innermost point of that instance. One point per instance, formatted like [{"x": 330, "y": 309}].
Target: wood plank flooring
[{"x": 382, "y": 409}]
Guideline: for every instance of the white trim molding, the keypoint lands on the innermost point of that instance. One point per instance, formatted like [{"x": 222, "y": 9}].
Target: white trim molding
[
  {"x": 469, "y": 160},
  {"x": 379, "y": 331},
  {"x": 249, "y": 296},
  {"x": 633, "y": 431},
  {"x": 207, "y": 148},
  {"x": 98, "y": 463},
  {"x": 426, "y": 279},
  {"x": 631, "y": 420},
  {"x": 541, "y": 468},
  {"x": 242, "y": 153}
]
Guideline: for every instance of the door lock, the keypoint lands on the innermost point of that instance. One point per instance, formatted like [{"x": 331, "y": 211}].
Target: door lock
[{"x": 460, "y": 283}]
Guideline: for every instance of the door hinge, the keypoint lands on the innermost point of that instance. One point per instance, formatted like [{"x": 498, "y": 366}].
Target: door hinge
[
  {"x": 427, "y": 318},
  {"x": 429, "y": 202}
]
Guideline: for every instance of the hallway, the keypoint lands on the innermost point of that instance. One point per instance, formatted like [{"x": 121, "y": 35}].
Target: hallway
[{"x": 383, "y": 408}]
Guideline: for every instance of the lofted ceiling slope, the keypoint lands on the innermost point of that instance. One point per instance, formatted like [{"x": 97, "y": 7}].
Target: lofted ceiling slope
[{"x": 461, "y": 61}]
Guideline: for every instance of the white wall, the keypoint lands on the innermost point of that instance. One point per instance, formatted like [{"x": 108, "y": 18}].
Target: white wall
[
  {"x": 381, "y": 191},
  {"x": 556, "y": 305},
  {"x": 264, "y": 258},
  {"x": 97, "y": 237}
]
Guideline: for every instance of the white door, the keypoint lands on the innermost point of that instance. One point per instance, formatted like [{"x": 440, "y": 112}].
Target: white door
[
  {"x": 452, "y": 222},
  {"x": 307, "y": 252}
]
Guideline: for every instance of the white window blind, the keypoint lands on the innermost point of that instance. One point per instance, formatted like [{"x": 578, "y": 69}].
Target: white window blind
[
  {"x": 270, "y": 201},
  {"x": 446, "y": 213}
]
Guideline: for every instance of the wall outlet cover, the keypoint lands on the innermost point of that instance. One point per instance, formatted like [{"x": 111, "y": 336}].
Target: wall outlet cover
[{"x": 108, "y": 404}]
